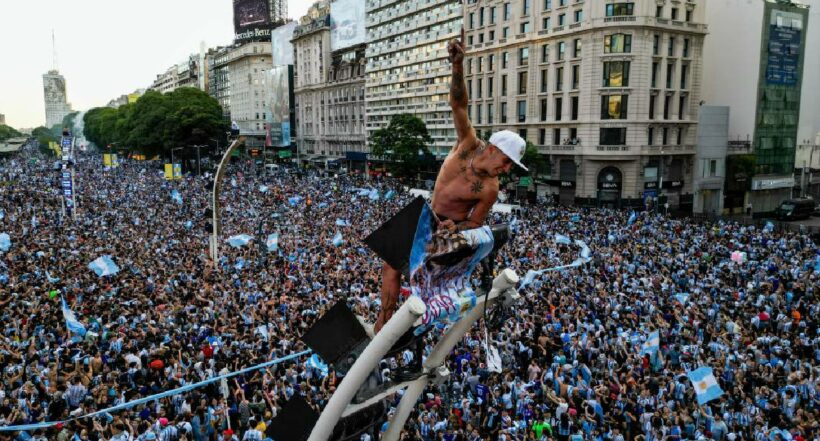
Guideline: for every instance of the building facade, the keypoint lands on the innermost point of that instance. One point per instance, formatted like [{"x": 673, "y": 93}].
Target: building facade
[
  {"x": 407, "y": 66},
  {"x": 2, "y": 119},
  {"x": 607, "y": 90},
  {"x": 237, "y": 79},
  {"x": 54, "y": 91},
  {"x": 329, "y": 91},
  {"x": 771, "y": 111}
]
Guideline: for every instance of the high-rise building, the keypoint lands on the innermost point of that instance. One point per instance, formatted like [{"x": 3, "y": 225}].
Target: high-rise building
[
  {"x": 407, "y": 66},
  {"x": 329, "y": 91},
  {"x": 237, "y": 77},
  {"x": 760, "y": 77},
  {"x": 607, "y": 91},
  {"x": 278, "y": 11},
  {"x": 2, "y": 119},
  {"x": 54, "y": 91},
  {"x": 187, "y": 73}
]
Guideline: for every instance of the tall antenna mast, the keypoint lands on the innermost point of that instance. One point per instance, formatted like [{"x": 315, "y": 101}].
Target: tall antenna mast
[{"x": 54, "y": 48}]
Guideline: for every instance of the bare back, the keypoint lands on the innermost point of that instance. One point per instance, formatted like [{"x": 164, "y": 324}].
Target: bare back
[{"x": 460, "y": 194}]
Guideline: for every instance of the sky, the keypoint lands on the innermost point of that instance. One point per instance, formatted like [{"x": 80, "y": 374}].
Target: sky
[{"x": 105, "y": 48}]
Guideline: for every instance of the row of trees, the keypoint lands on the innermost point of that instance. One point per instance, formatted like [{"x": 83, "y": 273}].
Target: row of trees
[
  {"x": 7, "y": 132},
  {"x": 157, "y": 122}
]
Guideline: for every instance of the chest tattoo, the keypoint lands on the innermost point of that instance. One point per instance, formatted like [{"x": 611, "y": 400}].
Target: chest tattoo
[{"x": 477, "y": 186}]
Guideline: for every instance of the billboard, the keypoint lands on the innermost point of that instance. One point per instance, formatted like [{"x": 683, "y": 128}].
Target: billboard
[
  {"x": 346, "y": 24},
  {"x": 785, "y": 38},
  {"x": 251, "y": 20},
  {"x": 281, "y": 48},
  {"x": 277, "y": 121}
]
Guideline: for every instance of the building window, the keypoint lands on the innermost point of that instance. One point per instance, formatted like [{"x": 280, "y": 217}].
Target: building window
[
  {"x": 479, "y": 64},
  {"x": 688, "y": 16},
  {"x": 617, "y": 44},
  {"x": 671, "y": 51},
  {"x": 682, "y": 108},
  {"x": 683, "y": 71},
  {"x": 616, "y": 74},
  {"x": 656, "y": 45},
  {"x": 712, "y": 168},
  {"x": 478, "y": 111},
  {"x": 559, "y": 108},
  {"x": 674, "y": 13},
  {"x": 543, "y": 81},
  {"x": 505, "y": 33},
  {"x": 526, "y": 7},
  {"x": 503, "y": 85},
  {"x": 613, "y": 136},
  {"x": 614, "y": 106},
  {"x": 559, "y": 79},
  {"x": 655, "y": 67},
  {"x": 658, "y": 11},
  {"x": 545, "y": 53},
  {"x": 524, "y": 27},
  {"x": 545, "y": 23},
  {"x": 469, "y": 66},
  {"x": 542, "y": 136},
  {"x": 666, "y": 103},
  {"x": 670, "y": 75},
  {"x": 481, "y": 16},
  {"x": 522, "y": 133},
  {"x": 617, "y": 9},
  {"x": 652, "y": 107},
  {"x": 503, "y": 112},
  {"x": 523, "y": 56},
  {"x": 685, "y": 48},
  {"x": 556, "y": 136},
  {"x": 561, "y": 49},
  {"x": 680, "y": 136},
  {"x": 651, "y": 136},
  {"x": 576, "y": 76},
  {"x": 522, "y": 111},
  {"x": 574, "y": 108},
  {"x": 479, "y": 83},
  {"x": 506, "y": 11},
  {"x": 579, "y": 16},
  {"x": 490, "y": 113},
  {"x": 490, "y": 84},
  {"x": 544, "y": 109},
  {"x": 576, "y": 52},
  {"x": 547, "y": 5},
  {"x": 505, "y": 58},
  {"x": 491, "y": 62},
  {"x": 492, "y": 15},
  {"x": 471, "y": 21},
  {"x": 562, "y": 19},
  {"x": 522, "y": 83},
  {"x": 491, "y": 35},
  {"x": 469, "y": 87}
]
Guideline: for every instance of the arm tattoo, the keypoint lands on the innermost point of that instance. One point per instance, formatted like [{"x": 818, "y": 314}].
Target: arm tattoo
[
  {"x": 458, "y": 90},
  {"x": 477, "y": 186},
  {"x": 463, "y": 154}
]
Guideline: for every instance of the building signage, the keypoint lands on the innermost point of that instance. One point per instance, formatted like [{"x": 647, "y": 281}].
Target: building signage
[
  {"x": 785, "y": 38},
  {"x": 251, "y": 20},
  {"x": 771, "y": 184},
  {"x": 609, "y": 185}
]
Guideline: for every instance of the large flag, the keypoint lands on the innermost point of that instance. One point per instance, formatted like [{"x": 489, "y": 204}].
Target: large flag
[
  {"x": 373, "y": 195},
  {"x": 294, "y": 200},
  {"x": 176, "y": 197},
  {"x": 652, "y": 344},
  {"x": 316, "y": 363},
  {"x": 240, "y": 240},
  {"x": 632, "y": 218},
  {"x": 560, "y": 238},
  {"x": 706, "y": 387},
  {"x": 5, "y": 242},
  {"x": 104, "y": 266},
  {"x": 71, "y": 323},
  {"x": 342, "y": 222},
  {"x": 272, "y": 242}
]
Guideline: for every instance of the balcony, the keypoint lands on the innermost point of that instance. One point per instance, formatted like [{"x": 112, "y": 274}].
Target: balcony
[
  {"x": 684, "y": 149},
  {"x": 611, "y": 148},
  {"x": 558, "y": 149}
]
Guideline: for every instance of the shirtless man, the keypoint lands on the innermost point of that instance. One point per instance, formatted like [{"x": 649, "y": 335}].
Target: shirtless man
[{"x": 467, "y": 184}]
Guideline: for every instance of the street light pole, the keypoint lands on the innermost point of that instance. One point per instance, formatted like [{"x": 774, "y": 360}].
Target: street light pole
[{"x": 220, "y": 172}]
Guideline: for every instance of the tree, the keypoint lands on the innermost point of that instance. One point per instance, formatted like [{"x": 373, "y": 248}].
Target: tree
[
  {"x": 43, "y": 135},
  {"x": 7, "y": 132},
  {"x": 68, "y": 121},
  {"x": 404, "y": 142}
]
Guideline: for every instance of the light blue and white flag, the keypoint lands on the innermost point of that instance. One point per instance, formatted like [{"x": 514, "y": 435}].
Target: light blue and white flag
[
  {"x": 315, "y": 362},
  {"x": 240, "y": 240},
  {"x": 560, "y": 238},
  {"x": 272, "y": 242},
  {"x": 176, "y": 197},
  {"x": 104, "y": 266},
  {"x": 652, "y": 344},
  {"x": 5, "y": 242},
  {"x": 71, "y": 323},
  {"x": 706, "y": 387},
  {"x": 51, "y": 279},
  {"x": 338, "y": 240},
  {"x": 769, "y": 226},
  {"x": 632, "y": 218},
  {"x": 682, "y": 297},
  {"x": 373, "y": 195},
  {"x": 294, "y": 200},
  {"x": 263, "y": 188},
  {"x": 389, "y": 195},
  {"x": 362, "y": 191},
  {"x": 342, "y": 223}
]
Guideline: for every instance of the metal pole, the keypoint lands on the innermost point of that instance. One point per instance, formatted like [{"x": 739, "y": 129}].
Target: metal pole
[{"x": 220, "y": 172}]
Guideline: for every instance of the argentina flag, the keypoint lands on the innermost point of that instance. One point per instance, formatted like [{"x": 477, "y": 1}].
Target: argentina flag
[
  {"x": 71, "y": 323},
  {"x": 272, "y": 242},
  {"x": 314, "y": 362},
  {"x": 652, "y": 344},
  {"x": 104, "y": 266},
  {"x": 706, "y": 387},
  {"x": 560, "y": 238},
  {"x": 239, "y": 240}
]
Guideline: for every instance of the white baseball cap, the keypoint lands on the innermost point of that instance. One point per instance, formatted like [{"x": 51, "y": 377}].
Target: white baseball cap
[{"x": 511, "y": 144}]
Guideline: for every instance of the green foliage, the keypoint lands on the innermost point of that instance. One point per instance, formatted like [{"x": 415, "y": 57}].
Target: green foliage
[
  {"x": 43, "y": 135},
  {"x": 68, "y": 121},
  {"x": 7, "y": 132},
  {"x": 404, "y": 142},
  {"x": 155, "y": 123},
  {"x": 535, "y": 162}
]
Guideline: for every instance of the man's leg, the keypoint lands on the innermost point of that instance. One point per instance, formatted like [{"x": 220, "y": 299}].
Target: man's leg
[{"x": 391, "y": 286}]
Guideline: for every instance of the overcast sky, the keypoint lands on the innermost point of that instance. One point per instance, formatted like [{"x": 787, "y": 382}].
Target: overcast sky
[{"x": 105, "y": 48}]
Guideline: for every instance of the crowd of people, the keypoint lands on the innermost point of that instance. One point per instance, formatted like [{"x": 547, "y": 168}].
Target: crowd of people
[{"x": 574, "y": 367}]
